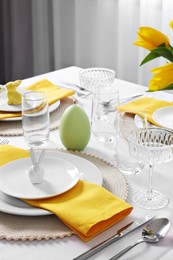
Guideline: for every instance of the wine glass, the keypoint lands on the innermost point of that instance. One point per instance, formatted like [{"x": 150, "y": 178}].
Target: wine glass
[
  {"x": 152, "y": 145},
  {"x": 35, "y": 122}
]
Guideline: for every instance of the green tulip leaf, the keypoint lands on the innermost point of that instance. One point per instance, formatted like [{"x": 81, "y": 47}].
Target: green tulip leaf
[
  {"x": 168, "y": 87},
  {"x": 150, "y": 56},
  {"x": 160, "y": 51},
  {"x": 164, "y": 52}
]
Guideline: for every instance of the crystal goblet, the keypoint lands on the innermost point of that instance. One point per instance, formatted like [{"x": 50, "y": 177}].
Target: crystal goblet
[{"x": 153, "y": 146}]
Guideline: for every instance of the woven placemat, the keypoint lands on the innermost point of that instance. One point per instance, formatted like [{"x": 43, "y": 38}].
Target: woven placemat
[
  {"x": 14, "y": 128},
  {"x": 14, "y": 227}
]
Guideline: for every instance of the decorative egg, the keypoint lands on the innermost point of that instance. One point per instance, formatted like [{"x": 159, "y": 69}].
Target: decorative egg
[{"x": 75, "y": 128}]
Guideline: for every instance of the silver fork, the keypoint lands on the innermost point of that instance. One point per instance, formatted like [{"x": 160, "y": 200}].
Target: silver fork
[
  {"x": 76, "y": 88},
  {"x": 73, "y": 85},
  {"x": 79, "y": 94},
  {"x": 3, "y": 141}
]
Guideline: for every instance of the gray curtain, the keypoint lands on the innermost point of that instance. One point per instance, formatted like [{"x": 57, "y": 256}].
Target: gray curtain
[{"x": 16, "y": 49}]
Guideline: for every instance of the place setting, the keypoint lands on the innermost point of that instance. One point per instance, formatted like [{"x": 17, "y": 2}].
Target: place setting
[
  {"x": 13, "y": 201},
  {"x": 35, "y": 182},
  {"x": 59, "y": 99}
]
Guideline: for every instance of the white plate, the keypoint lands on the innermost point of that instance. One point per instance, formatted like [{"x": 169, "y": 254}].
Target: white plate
[
  {"x": 164, "y": 117},
  {"x": 59, "y": 177},
  {"x": 10, "y": 108},
  {"x": 52, "y": 107},
  {"x": 16, "y": 206},
  {"x": 16, "y": 108}
]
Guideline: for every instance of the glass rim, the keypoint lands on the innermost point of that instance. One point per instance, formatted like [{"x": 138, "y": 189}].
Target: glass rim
[
  {"x": 150, "y": 129},
  {"x": 95, "y": 69},
  {"x": 43, "y": 95}
]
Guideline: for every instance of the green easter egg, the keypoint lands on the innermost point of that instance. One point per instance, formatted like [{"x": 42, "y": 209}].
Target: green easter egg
[{"x": 75, "y": 128}]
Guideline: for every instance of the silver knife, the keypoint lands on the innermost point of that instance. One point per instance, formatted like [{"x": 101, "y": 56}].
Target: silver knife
[{"x": 120, "y": 233}]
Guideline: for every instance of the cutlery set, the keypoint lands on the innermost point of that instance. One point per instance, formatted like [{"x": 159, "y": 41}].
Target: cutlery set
[{"x": 153, "y": 231}]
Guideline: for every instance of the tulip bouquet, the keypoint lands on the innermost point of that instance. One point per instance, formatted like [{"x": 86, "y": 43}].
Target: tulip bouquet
[{"x": 159, "y": 46}]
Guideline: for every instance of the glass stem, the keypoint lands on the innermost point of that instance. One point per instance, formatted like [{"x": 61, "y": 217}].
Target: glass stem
[{"x": 150, "y": 188}]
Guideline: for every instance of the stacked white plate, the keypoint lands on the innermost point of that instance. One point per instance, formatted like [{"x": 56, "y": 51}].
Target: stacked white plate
[{"x": 62, "y": 172}]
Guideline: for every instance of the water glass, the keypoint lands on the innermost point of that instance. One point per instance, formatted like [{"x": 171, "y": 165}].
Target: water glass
[
  {"x": 125, "y": 123},
  {"x": 104, "y": 107},
  {"x": 3, "y": 95},
  {"x": 35, "y": 117}
]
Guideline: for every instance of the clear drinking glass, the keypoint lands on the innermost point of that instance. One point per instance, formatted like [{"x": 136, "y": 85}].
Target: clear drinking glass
[
  {"x": 104, "y": 107},
  {"x": 35, "y": 117},
  {"x": 35, "y": 122},
  {"x": 151, "y": 145},
  {"x": 93, "y": 78},
  {"x": 3, "y": 95},
  {"x": 125, "y": 123}
]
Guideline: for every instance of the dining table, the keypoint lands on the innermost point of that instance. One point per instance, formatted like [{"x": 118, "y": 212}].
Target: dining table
[{"x": 69, "y": 246}]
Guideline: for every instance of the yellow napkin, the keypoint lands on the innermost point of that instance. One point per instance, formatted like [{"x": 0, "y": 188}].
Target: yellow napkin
[
  {"x": 147, "y": 105},
  {"x": 54, "y": 93},
  {"x": 87, "y": 208}
]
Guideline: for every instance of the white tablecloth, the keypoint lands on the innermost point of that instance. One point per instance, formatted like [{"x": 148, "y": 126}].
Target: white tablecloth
[{"x": 70, "y": 247}]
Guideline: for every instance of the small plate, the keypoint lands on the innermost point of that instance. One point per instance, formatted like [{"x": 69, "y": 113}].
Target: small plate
[
  {"x": 164, "y": 117},
  {"x": 10, "y": 108},
  {"x": 59, "y": 176},
  {"x": 86, "y": 168},
  {"x": 52, "y": 107}
]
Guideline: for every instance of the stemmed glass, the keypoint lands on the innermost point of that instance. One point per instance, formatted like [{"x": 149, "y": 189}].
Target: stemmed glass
[
  {"x": 152, "y": 145},
  {"x": 35, "y": 122}
]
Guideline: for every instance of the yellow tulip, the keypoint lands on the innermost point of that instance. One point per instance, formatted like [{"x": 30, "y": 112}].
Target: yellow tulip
[
  {"x": 150, "y": 38},
  {"x": 163, "y": 77},
  {"x": 171, "y": 24}
]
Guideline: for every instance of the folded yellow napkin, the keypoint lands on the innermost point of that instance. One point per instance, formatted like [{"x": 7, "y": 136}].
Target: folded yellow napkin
[
  {"x": 147, "y": 105},
  {"x": 87, "y": 208},
  {"x": 54, "y": 93}
]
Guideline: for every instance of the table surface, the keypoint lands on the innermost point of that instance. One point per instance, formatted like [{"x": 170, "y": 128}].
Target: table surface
[{"x": 70, "y": 247}]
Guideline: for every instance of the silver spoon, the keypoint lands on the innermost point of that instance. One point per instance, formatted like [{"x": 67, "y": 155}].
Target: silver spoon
[
  {"x": 107, "y": 103},
  {"x": 156, "y": 229}
]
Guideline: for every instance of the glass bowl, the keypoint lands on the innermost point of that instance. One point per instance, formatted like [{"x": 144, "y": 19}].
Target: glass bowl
[{"x": 92, "y": 78}]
